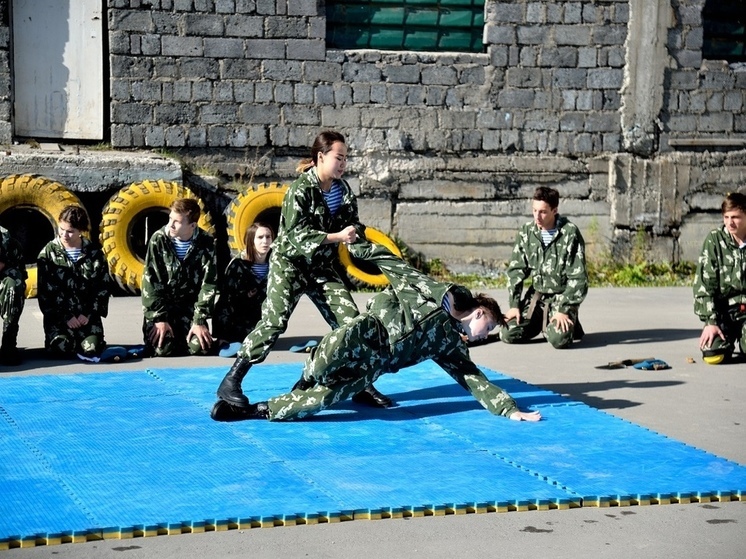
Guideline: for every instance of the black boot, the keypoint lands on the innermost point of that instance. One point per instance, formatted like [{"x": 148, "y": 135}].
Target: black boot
[
  {"x": 223, "y": 411},
  {"x": 373, "y": 398},
  {"x": 9, "y": 354},
  {"x": 230, "y": 388},
  {"x": 303, "y": 384}
]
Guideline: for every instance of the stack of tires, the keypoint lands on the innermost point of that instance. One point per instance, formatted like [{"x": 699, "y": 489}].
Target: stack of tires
[{"x": 30, "y": 205}]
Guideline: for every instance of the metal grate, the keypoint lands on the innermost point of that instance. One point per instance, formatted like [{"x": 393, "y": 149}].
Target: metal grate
[
  {"x": 724, "y": 23},
  {"x": 418, "y": 25}
]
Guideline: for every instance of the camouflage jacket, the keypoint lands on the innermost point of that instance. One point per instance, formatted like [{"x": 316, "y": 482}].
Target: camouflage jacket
[
  {"x": 720, "y": 280},
  {"x": 236, "y": 311},
  {"x": 305, "y": 221},
  {"x": 66, "y": 288},
  {"x": 11, "y": 254},
  {"x": 419, "y": 329},
  {"x": 557, "y": 269},
  {"x": 171, "y": 287}
]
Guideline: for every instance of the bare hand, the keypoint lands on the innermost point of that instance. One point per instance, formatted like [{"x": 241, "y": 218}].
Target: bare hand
[
  {"x": 562, "y": 321},
  {"x": 709, "y": 333},
  {"x": 348, "y": 235},
  {"x": 512, "y": 313},
  {"x": 525, "y": 416},
  {"x": 203, "y": 335},
  {"x": 74, "y": 323},
  {"x": 159, "y": 332}
]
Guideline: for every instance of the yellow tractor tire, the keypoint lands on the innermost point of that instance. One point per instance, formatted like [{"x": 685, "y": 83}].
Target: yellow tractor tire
[
  {"x": 43, "y": 195},
  {"x": 247, "y": 206},
  {"x": 121, "y": 212},
  {"x": 354, "y": 269}
]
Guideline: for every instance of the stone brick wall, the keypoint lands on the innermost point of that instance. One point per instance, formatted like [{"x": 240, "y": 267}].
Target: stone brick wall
[
  {"x": 610, "y": 101},
  {"x": 5, "y": 86},
  {"x": 705, "y": 100},
  {"x": 244, "y": 73}
]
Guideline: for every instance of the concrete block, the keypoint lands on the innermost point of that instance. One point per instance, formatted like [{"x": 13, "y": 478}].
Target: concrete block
[
  {"x": 605, "y": 78},
  {"x": 439, "y": 75},
  {"x": 138, "y": 21},
  {"x": 523, "y": 77},
  {"x": 259, "y": 114},
  {"x": 306, "y": 49},
  {"x": 570, "y": 78},
  {"x": 314, "y": 71},
  {"x": 303, "y": 8},
  {"x": 244, "y": 26},
  {"x": 223, "y": 48},
  {"x": 199, "y": 68},
  {"x": 172, "y": 45},
  {"x": 263, "y": 49},
  {"x": 176, "y": 113},
  {"x": 516, "y": 98},
  {"x": 579, "y": 35},
  {"x": 203, "y": 25}
]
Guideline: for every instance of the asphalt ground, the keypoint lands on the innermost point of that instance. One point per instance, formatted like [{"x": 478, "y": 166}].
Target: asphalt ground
[{"x": 696, "y": 403}]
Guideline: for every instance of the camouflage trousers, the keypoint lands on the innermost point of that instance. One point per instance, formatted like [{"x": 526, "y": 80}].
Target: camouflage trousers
[
  {"x": 286, "y": 284},
  {"x": 536, "y": 319},
  {"x": 12, "y": 300},
  {"x": 176, "y": 345},
  {"x": 65, "y": 341},
  {"x": 354, "y": 356},
  {"x": 344, "y": 363}
]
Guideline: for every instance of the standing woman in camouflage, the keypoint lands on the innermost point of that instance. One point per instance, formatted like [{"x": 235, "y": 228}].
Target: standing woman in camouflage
[
  {"x": 244, "y": 286},
  {"x": 73, "y": 289},
  {"x": 319, "y": 211},
  {"x": 551, "y": 252}
]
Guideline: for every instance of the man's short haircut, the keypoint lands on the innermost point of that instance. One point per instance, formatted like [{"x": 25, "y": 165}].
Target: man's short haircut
[
  {"x": 734, "y": 201},
  {"x": 490, "y": 305},
  {"x": 188, "y": 207},
  {"x": 549, "y": 195},
  {"x": 75, "y": 216}
]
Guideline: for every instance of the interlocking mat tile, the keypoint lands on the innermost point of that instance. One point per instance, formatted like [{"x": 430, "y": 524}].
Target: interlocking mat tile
[{"x": 128, "y": 454}]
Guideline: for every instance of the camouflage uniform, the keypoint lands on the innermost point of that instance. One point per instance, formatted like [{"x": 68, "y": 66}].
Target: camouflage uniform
[
  {"x": 181, "y": 293},
  {"x": 720, "y": 289},
  {"x": 403, "y": 325},
  {"x": 559, "y": 283},
  {"x": 12, "y": 291},
  {"x": 300, "y": 263},
  {"x": 68, "y": 289},
  {"x": 237, "y": 312}
]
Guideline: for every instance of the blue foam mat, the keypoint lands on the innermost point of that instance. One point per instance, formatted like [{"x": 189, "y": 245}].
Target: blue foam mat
[{"x": 135, "y": 453}]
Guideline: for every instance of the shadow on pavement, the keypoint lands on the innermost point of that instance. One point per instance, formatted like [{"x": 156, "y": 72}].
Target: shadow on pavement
[{"x": 631, "y": 337}]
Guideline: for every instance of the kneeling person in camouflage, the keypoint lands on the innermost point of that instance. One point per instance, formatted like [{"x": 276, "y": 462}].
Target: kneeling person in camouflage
[
  {"x": 73, "y": 289},
  {"x": 179, "y": 284},
  {"x": 549, "y": 250},
  {"x": 720, "y": 284},
  {"x": 12, "y": 295},
  {"x": 414, "y": 319}
]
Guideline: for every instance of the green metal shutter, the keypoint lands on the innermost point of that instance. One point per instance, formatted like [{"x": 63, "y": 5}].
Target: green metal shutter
[
  {"x": 420, "y": 25},
  {"x": 724, "y": 23}
]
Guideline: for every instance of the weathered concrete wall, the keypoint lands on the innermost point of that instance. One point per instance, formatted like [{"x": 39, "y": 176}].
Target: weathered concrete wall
[
  {"x": 6, "y": 135},
  {"x": 610, "y": 101}
]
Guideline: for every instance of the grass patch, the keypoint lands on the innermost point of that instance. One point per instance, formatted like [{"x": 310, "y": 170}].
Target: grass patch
[{"x": 603, "y": 270}]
